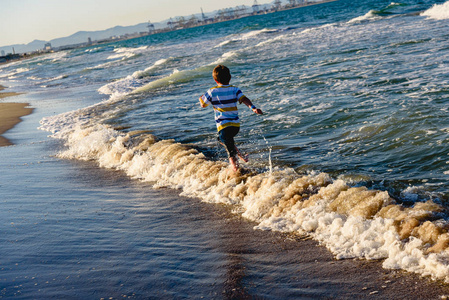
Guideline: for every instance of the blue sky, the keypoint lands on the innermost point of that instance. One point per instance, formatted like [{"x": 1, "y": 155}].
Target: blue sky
[{"x": 22, "y": 21}]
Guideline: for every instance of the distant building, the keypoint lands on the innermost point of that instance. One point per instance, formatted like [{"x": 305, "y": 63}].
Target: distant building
[
  {"x": 89, "y": 41},
  {"x": 47, "y": 47},
  {"x": 277, "y": 5},
  {"x": 3, "y": 53}
]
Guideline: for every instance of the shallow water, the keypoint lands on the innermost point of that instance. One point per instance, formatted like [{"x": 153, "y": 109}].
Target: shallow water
[
  {"x": 352, "y": 149},
  {"x": 67, "y": 236}
]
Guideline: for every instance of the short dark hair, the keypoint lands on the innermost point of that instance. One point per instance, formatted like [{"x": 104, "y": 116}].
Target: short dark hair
[{"x": 222, "y": 74}]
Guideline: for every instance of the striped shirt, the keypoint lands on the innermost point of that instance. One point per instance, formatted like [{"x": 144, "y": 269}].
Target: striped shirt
[{"x": 224, "y": 100}]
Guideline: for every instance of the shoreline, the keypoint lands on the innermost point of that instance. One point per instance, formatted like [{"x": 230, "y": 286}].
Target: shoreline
[
  {"x": 10, "y": 115},
  {"x": 7, "y": 94}
]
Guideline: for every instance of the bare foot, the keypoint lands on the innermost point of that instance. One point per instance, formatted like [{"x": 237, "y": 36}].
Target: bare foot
[{"x": 234, "y": 163}]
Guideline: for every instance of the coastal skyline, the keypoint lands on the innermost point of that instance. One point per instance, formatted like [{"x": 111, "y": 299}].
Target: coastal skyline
[{"x": 28, "y": 20}]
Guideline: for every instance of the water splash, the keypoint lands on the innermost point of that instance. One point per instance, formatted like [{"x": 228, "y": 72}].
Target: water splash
[{"x": 269, "y": 154}]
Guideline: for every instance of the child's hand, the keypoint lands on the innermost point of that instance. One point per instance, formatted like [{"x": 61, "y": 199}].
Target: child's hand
[{"x": 257, "y": 111}]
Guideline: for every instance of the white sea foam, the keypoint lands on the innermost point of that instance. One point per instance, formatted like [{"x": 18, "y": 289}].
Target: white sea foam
[
  {"x": 284, "y": 119},
  {"x": 12, "y": 74},
  {"x": 316, "y": 108},
  {"x": 175, "y": 76},
  {"x": 273, "y": 40},
  {"x": 125, "y": 53},
  {"x": 123, "y": 86},
  {"x": 438, "y": 11},
  {"x": 185, "y": 75},
  {"x": 224, "y": 43},
  {"x": 102, "y": 66},
  {"x": 255, "y": 33},
  {"x": 57, "y": 56},
  {"x": 149, "y": 70},
  {"x": 245, "y": 36},
  {"x": 352, "y": 222},
  {"x": 131, "y": 82},
  {"x": 225, "y": 57},
  {"x": 369, "y": 16}
]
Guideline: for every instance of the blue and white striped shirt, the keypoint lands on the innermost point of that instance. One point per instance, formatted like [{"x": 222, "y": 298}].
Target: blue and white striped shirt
[{"x": 224, "y": 100}]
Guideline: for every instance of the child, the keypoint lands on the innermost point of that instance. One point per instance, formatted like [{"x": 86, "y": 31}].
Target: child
[{"x": 224, "y": 98}]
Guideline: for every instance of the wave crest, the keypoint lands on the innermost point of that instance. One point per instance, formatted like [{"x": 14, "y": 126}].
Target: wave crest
[{"x": 438, "y": 11}]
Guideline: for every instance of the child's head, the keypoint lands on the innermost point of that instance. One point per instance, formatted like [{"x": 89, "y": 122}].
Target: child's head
[{"x": 222, "y": 74}]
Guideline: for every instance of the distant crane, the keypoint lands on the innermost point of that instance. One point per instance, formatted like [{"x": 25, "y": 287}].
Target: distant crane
[
  {"x": 150, "y": 27},
  {"x": 256, "y": 7},
  {"x": 203, "y": 15}
]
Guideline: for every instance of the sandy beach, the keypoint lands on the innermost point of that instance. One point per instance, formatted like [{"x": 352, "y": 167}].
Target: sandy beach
[{"x": 10, "y": 114}]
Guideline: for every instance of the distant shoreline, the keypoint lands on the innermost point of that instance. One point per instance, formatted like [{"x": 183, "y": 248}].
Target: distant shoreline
[
  {"x": 10, "y": 115},
  {"x": 172, "y": 26}
]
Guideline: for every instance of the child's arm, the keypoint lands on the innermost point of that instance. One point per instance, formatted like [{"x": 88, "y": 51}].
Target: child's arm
[{"x": 248, "y": 103}]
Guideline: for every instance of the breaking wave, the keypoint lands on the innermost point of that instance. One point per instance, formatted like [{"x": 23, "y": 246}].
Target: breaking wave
[
  {"x": 125, "y": 53},
  {"x": 352, "y": 222},
  {"x": 369, "y": 16},
  {"x": 246, "y": 36},
  {"x": 374, "y": 15},
  {"x": 438, "y": 12}
]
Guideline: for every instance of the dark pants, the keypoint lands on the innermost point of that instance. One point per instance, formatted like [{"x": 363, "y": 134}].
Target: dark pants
[{"x": 226, "y": 136}]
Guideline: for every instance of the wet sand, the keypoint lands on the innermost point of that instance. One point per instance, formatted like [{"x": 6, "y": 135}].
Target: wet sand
[
  {"x": 309, "y": 271},
  {"x": 68, "y": 236},
  {"x": 10, "y": 114},
  {"x": 6, "y": 94}
]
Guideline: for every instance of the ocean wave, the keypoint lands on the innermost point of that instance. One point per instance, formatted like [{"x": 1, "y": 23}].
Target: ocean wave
[
  {"x": 187, "y": 74},
  {"x": 255, "y": 33},
  {"x": 149, "y": 70},
  {"x": 123, "y": 86},
  {"x": 46, "y": 80},
  {"x": 101, "y": 66},
  {"x": 246, "y": 36},
  {"x": 372, "y": 15},
  {"x": 125, "y": 53},
  {"x": 137, "y": 82},
  {"x": 438, "y": 11},
  {"x": 395, "y": 4},
  {"x": 176, "y": 76},
  {"x": 131, "y": 82},
  {"x": 13, "y": 73},
  {"x": 224, "y": 43},
  {"x": 352, "y": 222},
  {"x": 57, "y": 56}
]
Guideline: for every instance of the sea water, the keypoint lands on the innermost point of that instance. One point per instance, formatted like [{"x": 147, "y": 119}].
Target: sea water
[{"x": 352, "y": 149}]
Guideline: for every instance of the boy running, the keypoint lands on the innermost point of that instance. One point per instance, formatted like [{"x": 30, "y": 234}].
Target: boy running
[{"x": 224, "y": 98}]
